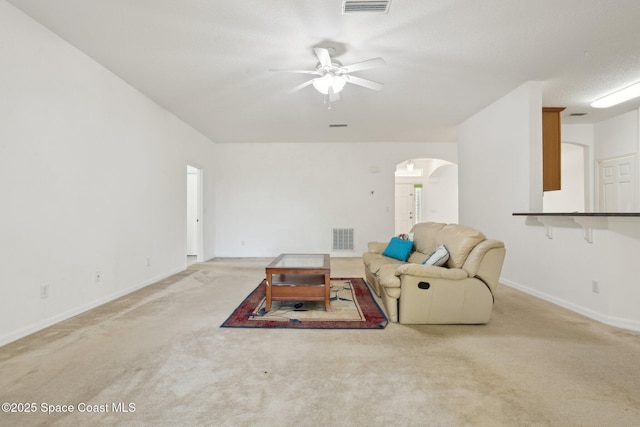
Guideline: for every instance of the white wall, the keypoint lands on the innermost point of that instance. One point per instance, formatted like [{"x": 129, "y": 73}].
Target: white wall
[
  {"x": 500, "y": 169},
  {"x": 287, "y": 197},
  {"x": 582, "y": 134},
  {"x": 92, "y": 178},
  {"x": 507, "y": 136},
  {"x": 572, "y": 196},
  {"x": 616, "y": 137},
  {"x": 440, "y": 195}
]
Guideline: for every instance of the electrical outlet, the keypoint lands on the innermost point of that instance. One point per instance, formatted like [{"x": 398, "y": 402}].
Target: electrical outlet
[
  {"x": 595, "y": 287},
  {"x": 44, "y": 291},
  {"x": 97, "y": 277},
  {"x": 148, "y": 262}
]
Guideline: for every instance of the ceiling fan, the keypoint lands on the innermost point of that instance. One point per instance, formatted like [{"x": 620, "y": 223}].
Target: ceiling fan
[{"x": 333, "y": 76}]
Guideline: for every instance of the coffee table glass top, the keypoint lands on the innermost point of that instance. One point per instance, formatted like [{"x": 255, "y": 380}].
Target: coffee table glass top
[{"x": 299, "y": 261}]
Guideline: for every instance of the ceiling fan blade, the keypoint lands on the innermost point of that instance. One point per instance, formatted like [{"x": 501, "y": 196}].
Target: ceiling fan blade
[
  {"x": 369, "y": 84},
  {"x": 323, "y": 56},
  {"x": 295, "y": 71},
  {"x": 302, "y": 86},
  {"x": 364, "y": 65}
]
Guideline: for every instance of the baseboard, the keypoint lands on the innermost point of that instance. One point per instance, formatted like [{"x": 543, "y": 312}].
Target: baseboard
[
  {"x": 38, "y": 326},
  {"x": 632, "y": 325}
]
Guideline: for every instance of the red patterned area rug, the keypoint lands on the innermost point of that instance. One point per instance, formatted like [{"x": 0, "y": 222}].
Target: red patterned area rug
[{"x": 352, "y": 307}]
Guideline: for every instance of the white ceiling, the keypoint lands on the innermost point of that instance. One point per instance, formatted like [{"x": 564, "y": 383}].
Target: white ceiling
[{"x": 208, "y": 61}]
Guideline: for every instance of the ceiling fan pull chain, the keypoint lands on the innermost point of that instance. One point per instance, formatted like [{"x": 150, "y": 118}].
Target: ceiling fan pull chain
[{"x": 327, "y": 102}]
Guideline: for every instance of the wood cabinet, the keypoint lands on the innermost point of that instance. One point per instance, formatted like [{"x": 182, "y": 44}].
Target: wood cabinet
[{"x": 551, "y": 148}]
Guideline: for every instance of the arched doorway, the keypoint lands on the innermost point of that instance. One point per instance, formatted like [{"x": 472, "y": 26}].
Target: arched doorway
[{"x": 425, "y": 190}]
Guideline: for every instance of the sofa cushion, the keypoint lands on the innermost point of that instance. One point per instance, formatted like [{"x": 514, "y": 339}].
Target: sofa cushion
[
  {"x": 459, "y": 241},
  {"x": 417, "y": 257},
  {"x": 424, "y": 236},
  {"x": 439, "y": 257},
  {"x": 374, "y": 261},
  {"x": 398, "y": 249}
]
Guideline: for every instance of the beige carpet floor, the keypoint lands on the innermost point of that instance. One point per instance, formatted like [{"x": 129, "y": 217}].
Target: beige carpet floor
[{"x": 161, "y": 350}]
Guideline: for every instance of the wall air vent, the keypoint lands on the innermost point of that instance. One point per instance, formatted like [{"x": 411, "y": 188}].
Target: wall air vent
[
  {"x": 342, "y": 239},
  {"x": 356, "y": 6}
]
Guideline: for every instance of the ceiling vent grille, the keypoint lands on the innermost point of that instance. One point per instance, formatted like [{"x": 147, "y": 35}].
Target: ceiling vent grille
[{"x": 356, "y": 6}]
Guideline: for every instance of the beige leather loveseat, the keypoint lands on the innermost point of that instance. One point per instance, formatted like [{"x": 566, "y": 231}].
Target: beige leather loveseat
[{"x": 461, "y": 291}]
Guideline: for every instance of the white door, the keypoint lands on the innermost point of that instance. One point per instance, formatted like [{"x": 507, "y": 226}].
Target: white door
[
  {"x": 405, "y": 202},
  {"x": 194, "y": 211},
  {"x": 617, "y": 185}
]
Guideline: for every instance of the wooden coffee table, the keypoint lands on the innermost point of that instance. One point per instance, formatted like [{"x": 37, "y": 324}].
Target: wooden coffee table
[{"x": 299, "y": 277}]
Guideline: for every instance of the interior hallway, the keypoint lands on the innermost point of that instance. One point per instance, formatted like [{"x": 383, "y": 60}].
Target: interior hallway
[{"x": 162, "y": 350}]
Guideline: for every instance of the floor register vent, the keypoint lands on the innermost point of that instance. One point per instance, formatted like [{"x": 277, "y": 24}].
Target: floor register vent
[{"x": 342, "y": 239}]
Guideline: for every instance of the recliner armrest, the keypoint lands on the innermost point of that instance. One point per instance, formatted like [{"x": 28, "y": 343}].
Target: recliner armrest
[{"x": 421, "y": 270}]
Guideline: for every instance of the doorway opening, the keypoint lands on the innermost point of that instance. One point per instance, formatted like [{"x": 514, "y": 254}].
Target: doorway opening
[
  {"x": 574, "y": 194},
  {"x": 194, "y": 243},
  {"x": 425, "y": 190}
]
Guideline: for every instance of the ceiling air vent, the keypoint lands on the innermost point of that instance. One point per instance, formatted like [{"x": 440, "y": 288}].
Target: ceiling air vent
[{"x": 355, "y": 6}]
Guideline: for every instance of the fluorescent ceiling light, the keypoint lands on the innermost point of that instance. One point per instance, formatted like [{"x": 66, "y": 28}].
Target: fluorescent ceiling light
[{"x": 618, "y": 97}]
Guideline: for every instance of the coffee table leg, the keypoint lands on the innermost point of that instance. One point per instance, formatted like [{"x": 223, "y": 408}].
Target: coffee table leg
[
  {"x": 327, "y": 292},
  {"x": 267, "y": 305}
]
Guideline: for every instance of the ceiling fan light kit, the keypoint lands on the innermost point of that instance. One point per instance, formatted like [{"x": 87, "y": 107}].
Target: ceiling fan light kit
[
  {"x": 329, "y": 82},
  {"x": 333, "y": 76}
]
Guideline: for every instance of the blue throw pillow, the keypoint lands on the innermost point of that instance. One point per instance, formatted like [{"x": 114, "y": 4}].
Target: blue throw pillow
[{"x": 398, "y": 249}]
